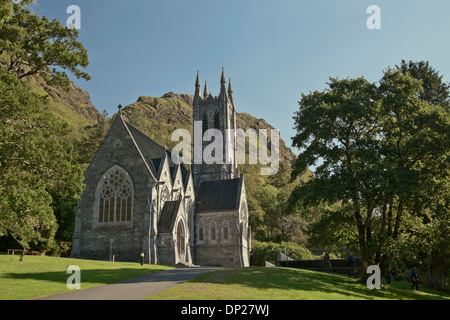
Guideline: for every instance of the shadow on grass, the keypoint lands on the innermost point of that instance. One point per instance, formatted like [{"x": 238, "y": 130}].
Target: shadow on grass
[
  {"x": 102, "y": 276},
  {"x": 302, "y": 280},
  {"x": 97, "y": 276}
]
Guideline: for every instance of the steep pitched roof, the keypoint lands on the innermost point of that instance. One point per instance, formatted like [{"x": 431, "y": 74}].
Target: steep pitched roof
[
  {"x": 149, "y": 148},
  {"x": 219, "y": 195},
  {"x": 168, "y": 216},
  {"x": 151, "y": 152}
]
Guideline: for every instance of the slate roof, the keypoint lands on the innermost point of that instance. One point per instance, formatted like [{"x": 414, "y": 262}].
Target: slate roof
[
  {"x": 149, "y": 148},
  {"x": 168, "y": 216},
  {"x": 152, "y": 152},
  {"x": 219, "y": 195}
]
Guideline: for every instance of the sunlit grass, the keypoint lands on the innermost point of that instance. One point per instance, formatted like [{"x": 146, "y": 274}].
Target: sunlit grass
[
  {"x": 37, "y": 277},
  {"x": 287, "y": 284}
]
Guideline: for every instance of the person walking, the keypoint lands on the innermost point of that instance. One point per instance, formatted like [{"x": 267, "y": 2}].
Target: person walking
[
  {"x": 327, "y": 260},
  {"x": 351, "y": 264},
  {"x": 414, "y": 279},
  {"x": 389, "y": 277}
]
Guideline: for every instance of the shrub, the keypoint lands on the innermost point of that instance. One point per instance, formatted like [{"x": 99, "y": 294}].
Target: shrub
[{"x": 267, "y": 251}]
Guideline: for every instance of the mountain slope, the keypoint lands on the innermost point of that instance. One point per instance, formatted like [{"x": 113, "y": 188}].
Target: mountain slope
[
  {"x": 74, "y": 106},
  {"x": 159, "y": 117}
]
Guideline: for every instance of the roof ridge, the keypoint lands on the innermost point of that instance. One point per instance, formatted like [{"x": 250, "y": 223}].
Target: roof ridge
[
  {"x": 137, "y": 147},
  {"x": 143, "y": 134}
]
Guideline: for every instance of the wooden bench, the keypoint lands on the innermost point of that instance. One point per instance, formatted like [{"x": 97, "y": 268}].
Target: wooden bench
[{"x": 34, "y": 253}]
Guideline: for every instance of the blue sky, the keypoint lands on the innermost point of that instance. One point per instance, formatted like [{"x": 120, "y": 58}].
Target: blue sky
[{"x": 272, "y": 50}]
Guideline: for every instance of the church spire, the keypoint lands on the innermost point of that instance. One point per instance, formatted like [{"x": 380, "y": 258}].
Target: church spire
[
  {"x": 230, "y": 87},
  {"x": 223, "y": 85},
  {"x": 197, "y": 82},
  {"x": 206, "y": 92},
  {"x": 230, "y": 90},
  {"x": 223, "y": 80},
  {"x": 198, "y": 87}
]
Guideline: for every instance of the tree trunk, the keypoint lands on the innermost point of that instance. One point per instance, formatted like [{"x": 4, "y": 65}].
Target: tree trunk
[
  {"x": 364, "y": 250},
  {"x": 435, "y": 275}
]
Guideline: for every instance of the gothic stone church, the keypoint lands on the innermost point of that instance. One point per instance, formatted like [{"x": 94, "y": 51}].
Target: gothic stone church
[{"x": 138, "y": 201}]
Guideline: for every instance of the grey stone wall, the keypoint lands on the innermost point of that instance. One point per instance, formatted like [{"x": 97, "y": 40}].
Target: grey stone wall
[
  {"x": 166, "y": 249},
  {"x": 91, "y": 239},
  {"x": 221, "y": 251}
]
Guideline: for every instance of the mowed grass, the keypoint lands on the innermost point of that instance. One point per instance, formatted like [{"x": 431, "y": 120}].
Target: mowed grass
[
  {"x": 37, "y": 277},
  {"x": 287, "y": 284}
]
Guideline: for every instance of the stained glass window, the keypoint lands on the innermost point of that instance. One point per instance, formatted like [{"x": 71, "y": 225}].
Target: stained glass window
[{"x": 116, "y": 197}]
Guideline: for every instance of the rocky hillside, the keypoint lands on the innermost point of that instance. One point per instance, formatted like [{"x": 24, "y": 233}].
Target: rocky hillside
[
  {"x": 159, "y": 117},
  {"x": 73, "y": 106},
  {"x": 156, "y": 117}
]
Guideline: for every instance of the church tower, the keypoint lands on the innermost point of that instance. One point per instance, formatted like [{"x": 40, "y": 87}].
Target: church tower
[{"x": 214, "y": 112}]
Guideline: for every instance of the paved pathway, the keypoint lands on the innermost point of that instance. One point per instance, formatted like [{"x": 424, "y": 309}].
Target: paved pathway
[{"x": 136, "y": 288}]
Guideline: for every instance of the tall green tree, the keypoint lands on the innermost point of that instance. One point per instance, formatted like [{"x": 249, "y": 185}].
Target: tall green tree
[
  {"x": 380, "y": 145},
  {"x": 435, "y": 90},
  {"x": 39, "y": 180},
  {"x": 433, "y": 206},
  {"x": 37, "y": 46},
  {"x": 35, "y": 162}
]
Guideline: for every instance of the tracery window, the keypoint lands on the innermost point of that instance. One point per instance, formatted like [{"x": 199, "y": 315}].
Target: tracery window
[{"x": 115, "y": 196}]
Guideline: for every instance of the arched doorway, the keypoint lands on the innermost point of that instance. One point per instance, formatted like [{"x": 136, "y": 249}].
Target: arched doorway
[{"x": 181, "y": 243}]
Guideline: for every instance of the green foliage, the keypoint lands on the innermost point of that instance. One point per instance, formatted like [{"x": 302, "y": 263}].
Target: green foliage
[
  {"x": 35, "y": 163},
  {"x": 334, "y": 230},
  {"x": 34, "y": 45},
  {"x": 267, "y": 251},
  {"x": 267, "y": 200},
  {"x": 385, "y": 156},
  {"x": 40, "y": 182},
  {"x": 435, "y": 90}
]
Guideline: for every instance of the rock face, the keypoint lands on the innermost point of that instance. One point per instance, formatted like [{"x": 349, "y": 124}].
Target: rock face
[
  {"x": 73, "y": 106},
  {"x": 187, "y": 98},
  {"x": 77, "y": 99},
  {"x": 158, "y": 117}
]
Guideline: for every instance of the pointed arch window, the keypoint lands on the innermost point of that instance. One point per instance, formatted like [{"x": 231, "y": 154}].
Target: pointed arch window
[
  {"x": 165, "y": 196},
  {"x": 213, "y": 231},
  {"x": 216, "y": 120},
  {"x": 115, "y": 196},
  {"x": 225, "y": 230},
  {"x": 200, "y": 233},
  {"x": 181, "y": 239}
]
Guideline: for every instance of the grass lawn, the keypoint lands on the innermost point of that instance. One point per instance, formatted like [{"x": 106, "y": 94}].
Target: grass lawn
[
  {"x": 37, "y": 277},
  {"x": 287, "y": 284}
]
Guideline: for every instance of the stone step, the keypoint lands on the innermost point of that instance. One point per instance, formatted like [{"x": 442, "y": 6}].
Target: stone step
[{"x": 186, "y": 265}]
